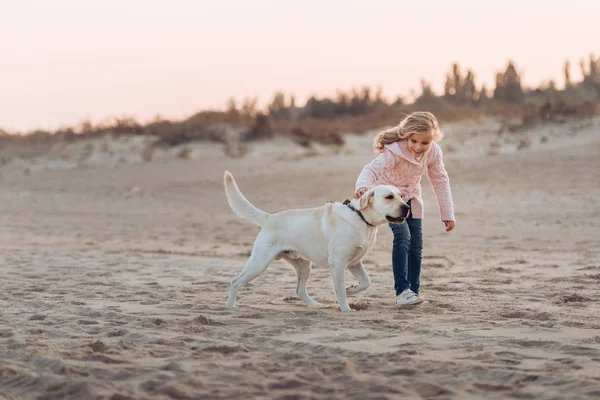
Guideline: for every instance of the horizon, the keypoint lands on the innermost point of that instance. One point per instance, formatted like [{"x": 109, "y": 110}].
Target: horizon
[{"x": 68, "y": 62}]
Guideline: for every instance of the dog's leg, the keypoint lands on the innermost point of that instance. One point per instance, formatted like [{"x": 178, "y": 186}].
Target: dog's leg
[
  {"x": 359, "y": 272},
  {"x": 302, "y": 268},
  {"x": 262, "y": 255},
  {"x": 337, "y": 274}
]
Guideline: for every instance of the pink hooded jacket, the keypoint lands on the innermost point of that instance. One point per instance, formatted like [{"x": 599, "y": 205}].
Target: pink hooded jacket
[{"x": 397, "y": 167}]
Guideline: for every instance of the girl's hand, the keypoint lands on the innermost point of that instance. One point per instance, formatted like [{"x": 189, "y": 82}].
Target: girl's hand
[
  {"x": 360, "y": 192},
  {"x": 449, "y": 225}
]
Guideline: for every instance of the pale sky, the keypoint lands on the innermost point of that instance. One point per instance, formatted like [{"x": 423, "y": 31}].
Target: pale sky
[{"x": 64, "y": 61}]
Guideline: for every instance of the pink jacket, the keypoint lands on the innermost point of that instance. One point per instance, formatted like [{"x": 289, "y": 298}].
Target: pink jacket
[{"x": 397, "y": 167}]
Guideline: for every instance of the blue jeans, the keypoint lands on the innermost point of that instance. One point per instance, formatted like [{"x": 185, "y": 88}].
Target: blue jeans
[{"x": 407, "y": 254}]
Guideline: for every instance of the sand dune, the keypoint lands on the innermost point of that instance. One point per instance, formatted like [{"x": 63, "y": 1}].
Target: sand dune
[{"x": 116, "y": 270}]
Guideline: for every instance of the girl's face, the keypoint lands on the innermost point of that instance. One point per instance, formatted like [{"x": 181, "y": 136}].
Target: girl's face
[{"x": 419, "y": 143}]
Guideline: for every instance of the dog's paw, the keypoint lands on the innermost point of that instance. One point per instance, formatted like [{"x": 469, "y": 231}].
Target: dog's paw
[
  {"x": 350, "y": 290},
  {"x": 346, "y": 309},
  {"x": 317, "y": 305}
]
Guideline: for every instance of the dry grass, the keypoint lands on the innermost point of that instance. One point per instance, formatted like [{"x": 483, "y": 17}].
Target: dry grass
[{"x": 234, "y": 127}]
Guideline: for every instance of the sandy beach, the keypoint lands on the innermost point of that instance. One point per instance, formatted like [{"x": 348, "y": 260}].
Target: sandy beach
[{"x": 116, "y": 261}]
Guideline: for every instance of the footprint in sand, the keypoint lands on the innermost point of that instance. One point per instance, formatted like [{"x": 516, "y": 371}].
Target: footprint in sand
[
  {"x": 445, "y": 306},
  {"x": 87, "y": 322},
  {"x": 102, "y": 359},
  {"x": 117, "y": 332},
  {"x": 572, "y": 298},
  {"x": 225, "y": 349},
  {"x": 149, "y": 302}
]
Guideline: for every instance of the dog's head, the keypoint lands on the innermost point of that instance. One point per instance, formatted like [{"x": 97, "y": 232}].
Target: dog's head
[{"x": 384, "y": 203}]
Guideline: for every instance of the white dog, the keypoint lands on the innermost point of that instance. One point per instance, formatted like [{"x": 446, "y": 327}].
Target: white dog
[{"x": 335, "y": 235}]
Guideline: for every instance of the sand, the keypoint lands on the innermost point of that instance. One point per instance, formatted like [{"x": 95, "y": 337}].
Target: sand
[{"x": 116, "y": 265}]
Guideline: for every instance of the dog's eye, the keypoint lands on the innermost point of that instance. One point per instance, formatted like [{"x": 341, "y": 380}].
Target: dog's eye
[{"x": 390, "y": 197}]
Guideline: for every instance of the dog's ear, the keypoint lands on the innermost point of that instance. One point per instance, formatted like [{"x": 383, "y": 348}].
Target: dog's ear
[{"x": 366, "y": 199}]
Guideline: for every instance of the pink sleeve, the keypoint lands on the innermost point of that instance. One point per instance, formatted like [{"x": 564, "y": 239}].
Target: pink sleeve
[
  {"x": 373, "y": 171},
  {"x": 436, "y": 171}
]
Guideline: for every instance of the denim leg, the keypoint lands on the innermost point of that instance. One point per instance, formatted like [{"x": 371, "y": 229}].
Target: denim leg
[
  {"x": 400, "y": 256},
  {"x": 415, "y": 253}
]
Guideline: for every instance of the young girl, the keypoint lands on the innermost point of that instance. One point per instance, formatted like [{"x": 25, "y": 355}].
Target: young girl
[{"x": 406, "y": 150}]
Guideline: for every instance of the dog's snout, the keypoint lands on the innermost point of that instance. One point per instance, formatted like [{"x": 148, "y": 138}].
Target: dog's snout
[{"x": 404, "y": 209}]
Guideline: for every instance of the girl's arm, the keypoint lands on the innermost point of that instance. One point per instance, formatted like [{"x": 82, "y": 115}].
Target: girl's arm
[
  {"x": 436, "y": 171},
  {"x": 374, "y": 170}
]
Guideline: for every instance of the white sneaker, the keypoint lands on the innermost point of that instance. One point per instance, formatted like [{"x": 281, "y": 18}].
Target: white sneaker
[{"x": 408, "y": 297}]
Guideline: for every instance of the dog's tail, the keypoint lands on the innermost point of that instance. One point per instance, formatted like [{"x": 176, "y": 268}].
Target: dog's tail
[{"x": 239, "y": 204}]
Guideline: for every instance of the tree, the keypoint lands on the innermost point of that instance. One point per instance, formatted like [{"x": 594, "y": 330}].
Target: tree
[
  {"x": 427, "y": 95},
  {"x": 483, "y": 95},
  {"x": 468, "y": 87},
  {"x": 277, "y": 108},
  {"x": 249, "y": 108},
  {"x": 379, "y": 99},
  {"x": 232, "y": 109},
  {"x": 508, "y": 85},
  {"x": 566, "y": 69},
  {"x": 460, "y": 89}
]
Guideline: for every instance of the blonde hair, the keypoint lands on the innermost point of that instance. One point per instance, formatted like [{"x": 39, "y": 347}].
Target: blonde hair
[{"x": 417, "y": 122}]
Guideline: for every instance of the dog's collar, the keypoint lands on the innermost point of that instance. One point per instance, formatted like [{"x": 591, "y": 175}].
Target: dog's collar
[{"x": 350, "y": 206}]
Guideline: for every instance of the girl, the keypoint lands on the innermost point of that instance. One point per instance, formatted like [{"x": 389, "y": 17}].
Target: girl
[{"x": 406, "y": 150}]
